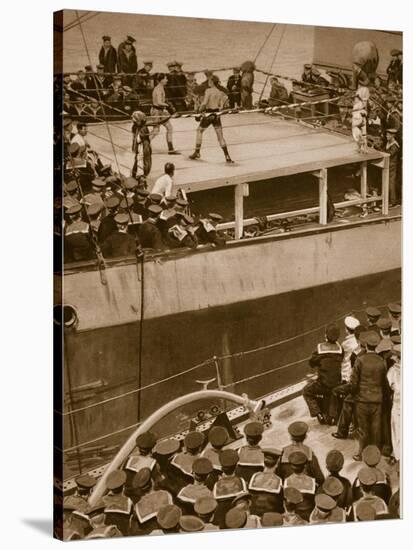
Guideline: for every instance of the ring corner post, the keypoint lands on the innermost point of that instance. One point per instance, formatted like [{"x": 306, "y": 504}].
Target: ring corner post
[
  {"x": 323, "y": 188},
  {"x": 385, "y": 176},
  {"x": 239, "y": 210}
]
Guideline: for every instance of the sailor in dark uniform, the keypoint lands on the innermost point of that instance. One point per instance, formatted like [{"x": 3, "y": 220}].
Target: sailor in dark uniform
[
  {"x": 94, "y": 213},
  {"x": 228, "y": 486},
  {"x": 108, "y": 56},
  {"x": 333, "y": 488},
  {"x": 243, "y": 502},
  {"x": 128, "y": 62},
  {"x": 148, "y": 505},
  {"x": 79, "y": 499},
  {"x": 371, "y": 456},
  {"x": 145, "y": 81},
  {"x": 217, "y": 438},
  {"x": 327, "y": 360},
  {"x": 119, "y": 243},
  {"x": 334, "y": 464},
  {"x": 183, "y": 461},
  {"x": 326, "y": 511},
  {"x": 373, "y": 315},
  {"x": 164, "y": 451},
  {"x": 251, "y": 456},
  {"x": 141, "y": 457},
  {"x": 393, "y": 149},
  {"x": 272, "y": 519},
  {"x": 292, "y": 499},
  {"x": 118, "y": 507},
  {"x": 77, "y": 239},
  {"x": 368, "y": 479},
  {"x": 150, "y": 235},
  {"x": 95, "y": 196},
  {"x": 204, "y": 508},
  {"x": 167, "y": 519},
  {"x": 180, "y": 89},
  {"x": 179, "y": 235},
  {"x": 168, "y": 217},
  {"x": 395, "y": 67},
  {"x": 97, "y": 521},
  {"x": 395, "y": 313},
  {"x": 108, "y": 225},
  {"x": 266, "y": 486},
  {"x": 298, "y": 432},
  {"x": 70, "y": 526},
  {"x": 302, "y": 482},
  {"x": 190, "y": 524},
  {"x": 206, "y": 230},
  {"x": 234, "y": 88},
  {"x": 140, "y": 205},
  {"x": 188, "y": 495},
  {"x": 71, "y": 194}
]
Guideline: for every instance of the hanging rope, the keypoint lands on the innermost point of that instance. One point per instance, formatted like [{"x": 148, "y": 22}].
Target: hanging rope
[{"x": 272, "y": 62}]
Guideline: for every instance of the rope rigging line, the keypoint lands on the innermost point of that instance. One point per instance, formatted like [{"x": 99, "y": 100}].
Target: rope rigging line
[
  {"x": 84, "y": 18},
  {"x": 273, "y": 61},
  {"x": 265, "y": 41}
]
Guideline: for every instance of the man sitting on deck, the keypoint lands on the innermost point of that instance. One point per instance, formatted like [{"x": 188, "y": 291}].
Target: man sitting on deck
[{"x": 213, "y": 102}]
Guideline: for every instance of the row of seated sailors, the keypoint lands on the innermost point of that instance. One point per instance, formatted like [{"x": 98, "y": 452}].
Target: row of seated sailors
[
  {"x": 124, "y": 219},
  {"x": 162, "y": 488}
]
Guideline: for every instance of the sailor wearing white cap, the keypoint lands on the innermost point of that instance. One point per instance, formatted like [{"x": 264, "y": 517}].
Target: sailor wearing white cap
[{"x": 349, "y": 345}]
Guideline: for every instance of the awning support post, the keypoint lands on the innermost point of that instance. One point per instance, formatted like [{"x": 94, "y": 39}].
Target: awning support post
[
  {"x": 322, "y": 193},
  {"x": 385, "y": 172},
  {"x": 363, "y": 179},
  {"x": 239, "y": 210}
]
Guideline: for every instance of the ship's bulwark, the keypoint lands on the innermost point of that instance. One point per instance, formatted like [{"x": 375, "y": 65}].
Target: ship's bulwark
[{"x": 177, "y": 341}]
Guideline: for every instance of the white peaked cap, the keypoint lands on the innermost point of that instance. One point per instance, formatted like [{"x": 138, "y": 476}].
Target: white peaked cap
[{"x": 351, "y": 322}]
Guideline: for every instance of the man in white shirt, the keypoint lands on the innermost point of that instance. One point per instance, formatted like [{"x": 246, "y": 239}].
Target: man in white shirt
[
  {"x": 349, "y": 345},
  {"x": 164, "y": 184}
]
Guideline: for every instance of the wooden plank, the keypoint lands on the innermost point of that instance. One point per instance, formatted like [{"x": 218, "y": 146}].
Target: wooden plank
[
  {"x": 323, "y": 196},
  {"x": 363, "y": 179},
  {"x": 239, "y": 210},
  {"x": 385, "y": 185}
]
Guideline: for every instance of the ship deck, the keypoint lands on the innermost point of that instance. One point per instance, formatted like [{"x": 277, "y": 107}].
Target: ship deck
[{"x": 262, "y": 147}]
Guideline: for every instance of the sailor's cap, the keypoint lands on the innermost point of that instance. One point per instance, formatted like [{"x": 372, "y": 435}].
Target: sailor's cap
[
  {"x": 71, "y": 186},
  {"x": 371, "y": 455},
  {"x": 332, "y": 487},
  {"x": 205, "y": 505},
  {"x": 214, "y": 216},
  {"x": 324, "y": 502},
  {"x": 130, "y": 38},
  {"x": 367, "y": 476},
  {"x": 334, "y": 460},
  {"x": 126, "y": 202},
  {"x": 393, "y": 307},
  {"x": 155, "y": 197},
  {"x": 155, "y": 209},
  {"x": 202, "y": 466},
  {"x": 94, "y": 208},
  {"x": 298, "y": 429},
  {"x": 253, "y": 429},
  {"x": 228, "y": 458},
  {"x": 235, "y": 518},
  {"x": 115, "y": 479},
  {"x": 396, "y": 339},
  {"x": 384, "y": 323},
  {"x": 130, "y": 183},
  {"x": 170, "y": 198},
  {"x": 241, "y": 497},
  {"x": 146, "y": 440},
  {"x": 373, "y": 312},
  {"x": 218, "y": 436},
  {"x": 332, "y": 332},
  {"x": 351, "y": 322},
  {"x": 272, "y": 452},
  {"x": 307, "y": 66},
  {"x": 191, "y": 524},
  {"x": 127, "y": 89},
  {"x": 392, "y": 131},
  {"x": 293, "y": 495},
  {"x": 171, "y": 64},
  {"x": 121, "y": 219},
  {"x": 100, "y": 66},
  {"x": 148, "y": 62},
  {"x": 142, "y": 192},
  {"x": 365, "y": 512},
  {"x": 395, "y": 51},
  {"x": 271, "y": 519},
  {"x": 106, "y": 37},
  {"x": 98, "y": 182},
  {"x": 193, "y": 440},
  {"x": 168, "y": 516},
  {"x": 297, "y": 458},
  {"x": 75, "y": 209},
  {"x": 182, "y": 202},
  {"x": 112, "y": 202},
  {"x": 85, "y": 481},
  {"x": 397, "y": 350},
  {"x": 142, "y": 478},
  {"x": 167, "y": 447},
  {"x": 372, "y": 338}
]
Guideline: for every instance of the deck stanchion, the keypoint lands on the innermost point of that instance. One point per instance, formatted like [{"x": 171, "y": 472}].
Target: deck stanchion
[
  {"x": 363, "y": 179},
  {"x": 322, "y": 190},
  {"x": 385, "y": 186},
  {"x": 239, "y": 210}
]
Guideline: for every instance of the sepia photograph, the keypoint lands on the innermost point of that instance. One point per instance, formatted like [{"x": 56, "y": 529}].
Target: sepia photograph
[{"x": 227, "y": 261}]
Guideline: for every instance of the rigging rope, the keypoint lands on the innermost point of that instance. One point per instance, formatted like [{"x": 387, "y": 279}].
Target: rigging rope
[{"x": 272, "y": 62}]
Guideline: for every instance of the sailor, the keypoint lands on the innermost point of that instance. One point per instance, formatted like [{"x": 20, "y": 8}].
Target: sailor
[
  {"x": 327, "y": 360},
  {"x": 155, "y": 198},
  {"x": 98, "y": 186},
  {"x": 369, "y": 383},
  {"x": 214, "y": 101},
  {"x": 393, "y": 149},
  {"x": 234, "y": 88},
  {"x": 349, "y": 344},
  {"x": 141, "y": 457},
  {"x": 373, "y": 315},
  {"x": 395, "y": 67},
  {"x": 150, "y": 502},
  {"x": 183, "y": 461},
  {"x": 141, "y": 198},
  {"x": 187, "y": 496},
  {"x": 371, "y": 457},
  {"x": 307, "y": 75},
  {"x": 161, "y": 112},
  {"x": 129, "y": 39},
  {"x": 94, "y": 212},
  {"x": 204, "y": 508},
  {"x": 150, "y": 235},
  {"x": 97, "y": 521},
  {"x": 145, "y": 83},
  {"x": 134, "y": 220},
  {"x": 334, "y": 489},
  {"x": 228, "y": 486},
  {"x": 70, "y": 526},
  {"x": 71, "y": 194},
  {"x": 217, "y": 439},
  {"x": 108, "y": 225},
  {"x": 368, "y": 479},
  {"x": 164, "y": 451},
  {"x": 207, "y": 232},
  {"x": 191, "y": 524},
  {"x": 298, "y": 432},
  {"x": 385, "y": 346},
  {"x": 334, "y": 464},
  {"x": 84, "y": 485},
  {"x": 292, "y": 499},
  {"x": 127, "y": 61},
  {"x": 326, "y": 511},
  {"x": 107, "y": 55},
  {"x": 168, "y": 216},
  {"x": 77, "y": 243},
  {"x": 118, "y": 507},
  {"x": 278, "y": 94},
  {"x": 179, "y": 236},
  {"x": 266, "y": 487},
  {"x": 235, "y": 519},
  {"x": 394, "y": 380},
  {"x": 302, "y": 482},
  {"x": 395, "y": 313},
  {"x": 179, "y": 93},
  {"x": 243, "y": 502},
  {"x": 119, "y": 243},
  {"x": 251, "y": 457},
  {"x": 365, "y": 512},
  {"x": 272, "y": 519},
  {"x": 168, "y": 520}
]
